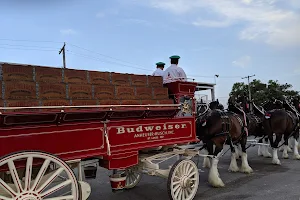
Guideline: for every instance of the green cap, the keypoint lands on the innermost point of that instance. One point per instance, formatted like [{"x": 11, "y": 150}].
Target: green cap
[
  {"x": 160, "y": 63},
  {"x": 174, "y": 57}
]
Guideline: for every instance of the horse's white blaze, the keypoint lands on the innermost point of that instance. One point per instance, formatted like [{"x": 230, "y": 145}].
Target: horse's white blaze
[
  {"x": 214, "y": 176},
  {"x": 233, "y": 167},
  {"x": 206, "y": 161},
  {"x": 245, "y": 165},
  {"x": 285, "y": 152},
  {"x": 275, "y": 159},
  {"x": 296, "y": 152}
]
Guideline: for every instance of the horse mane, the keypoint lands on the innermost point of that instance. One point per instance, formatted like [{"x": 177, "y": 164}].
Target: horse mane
[
  {"x": 234, "y": 108},
  {"x": 255, "y": 107},
  {"x": 290, "y": 107}
]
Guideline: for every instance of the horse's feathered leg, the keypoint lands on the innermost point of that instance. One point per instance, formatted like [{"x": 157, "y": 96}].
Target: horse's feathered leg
[
  {"x": 274, "y": 145},
  {"x": 214, "y": 176},
  {"x": 233, "y": 167},
  {"x": 245, "y": 168},
  {"x": 260, "y": 148},
  {"x": 238, "y": 151},
  {"x": 209, "y": 151},
  {"x": 290, "y": 146},
  {"x": 266, "y": 152},
  {"x": 206, "y": 161},
  {"x": 285, "y": 154},
  {"x": 296, "y": 143},
  {"x": 282, "y": 147}
]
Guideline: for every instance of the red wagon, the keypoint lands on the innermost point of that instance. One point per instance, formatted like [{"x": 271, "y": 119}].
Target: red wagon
[{"x": 42, "y": 145}]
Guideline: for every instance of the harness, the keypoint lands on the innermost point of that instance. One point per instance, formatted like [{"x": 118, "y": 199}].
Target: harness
[
  {"x": 226, "y": 127},
  {"x": 226, "y": 124},
  {"x": 295, "y": 121}
]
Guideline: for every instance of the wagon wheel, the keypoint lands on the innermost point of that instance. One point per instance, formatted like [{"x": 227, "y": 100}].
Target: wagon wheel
[
  {"x": 134, "y": 176},
  {"x": 59, "y": 184},
  {"x": 183, "y": 180}
]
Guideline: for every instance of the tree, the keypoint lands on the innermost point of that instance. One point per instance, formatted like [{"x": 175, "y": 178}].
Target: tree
[{"x": 262, "y": 92}]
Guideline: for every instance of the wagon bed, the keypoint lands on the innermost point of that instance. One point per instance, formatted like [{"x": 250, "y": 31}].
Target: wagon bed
[
  {"x": 82, "y": 134},
  {"x": 61, "y": 116}
]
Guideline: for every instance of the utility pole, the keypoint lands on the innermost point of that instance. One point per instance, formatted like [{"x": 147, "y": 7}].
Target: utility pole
[
  {"x": 250, "y": 98},
  {"x": 63, "y": 49}
]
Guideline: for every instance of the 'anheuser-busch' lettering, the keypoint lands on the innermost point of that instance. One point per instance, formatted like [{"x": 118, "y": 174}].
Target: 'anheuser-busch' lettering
[{"x": 149, "y": 128}]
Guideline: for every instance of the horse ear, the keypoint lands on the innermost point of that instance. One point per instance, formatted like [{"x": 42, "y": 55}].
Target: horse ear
[{"x": 218, "y": 100}]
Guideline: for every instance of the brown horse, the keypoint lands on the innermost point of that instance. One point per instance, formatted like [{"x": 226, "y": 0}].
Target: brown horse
[
  {"x": 218, "y": 127},
  {"x": 282, "y": 123},
  {"x": 255, "y": 125},
  {"x": 296, "y": 104}
]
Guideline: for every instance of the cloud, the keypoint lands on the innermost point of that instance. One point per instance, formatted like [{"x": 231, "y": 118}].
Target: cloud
[
  {"x": 266, "y": 21},
  {"x": 242, "y": 62},
  {"x": 67, "y": 32},
  {"x": 211, "y": 23}
]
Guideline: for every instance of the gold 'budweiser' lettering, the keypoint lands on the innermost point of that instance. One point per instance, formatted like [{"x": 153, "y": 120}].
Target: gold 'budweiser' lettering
[{"x": 150, "y": 128}]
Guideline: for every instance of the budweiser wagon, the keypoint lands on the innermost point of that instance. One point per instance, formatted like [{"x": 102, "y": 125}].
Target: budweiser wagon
[{"x": 52, "y": 120}]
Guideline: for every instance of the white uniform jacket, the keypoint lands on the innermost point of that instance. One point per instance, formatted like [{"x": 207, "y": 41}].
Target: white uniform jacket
[
  {"x": 158, "y": 72},
  {"x": 174, "y": 73}
]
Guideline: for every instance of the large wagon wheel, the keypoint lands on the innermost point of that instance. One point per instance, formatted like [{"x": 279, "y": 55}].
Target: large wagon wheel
[
  {"x": 133, "y": 177},
  {"x": 58, "y": 183},
  {"x": 183, "y": 180}
]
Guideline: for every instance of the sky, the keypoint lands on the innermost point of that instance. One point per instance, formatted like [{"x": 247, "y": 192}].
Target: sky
[{"x": 231, "y": 38}]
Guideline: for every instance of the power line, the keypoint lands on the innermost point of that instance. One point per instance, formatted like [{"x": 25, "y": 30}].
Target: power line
[
  {"x": 131, "y": 65},
  {"x": 98, "y": 59},
  {"x": 102, "y": 54},
  {"x": 143, "y": 68}
]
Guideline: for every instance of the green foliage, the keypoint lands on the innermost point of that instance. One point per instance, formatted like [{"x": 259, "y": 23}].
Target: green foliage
[{"x": 261, "y": 92}]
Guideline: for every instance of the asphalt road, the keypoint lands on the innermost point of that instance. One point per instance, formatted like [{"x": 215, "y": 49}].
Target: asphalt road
[{"x": 268, "y": 182}]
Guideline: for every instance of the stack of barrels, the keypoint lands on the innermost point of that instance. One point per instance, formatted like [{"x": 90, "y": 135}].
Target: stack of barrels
[{"x": 27, "y": 85}]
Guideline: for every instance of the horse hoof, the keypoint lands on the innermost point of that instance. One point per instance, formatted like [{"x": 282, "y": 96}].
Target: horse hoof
[
  {"x": 248, "y": 170},
  {"x": 286, "y": 157},
  {"x": 276, "y": 162},
  {"x": 218, "y": 185},
  {"x": 297, "y": 157},
  {"x": 232, "y": 169},
  {"x": 216, "y": 182},
  {"x": 259, "y": 154},
  {"x": 267, "y": 155}
]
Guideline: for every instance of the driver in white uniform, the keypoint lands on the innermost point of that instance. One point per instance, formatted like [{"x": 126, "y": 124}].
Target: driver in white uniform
[
  {"x": 159, "y": 69},
  {"x": 174, "y": 72}
]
